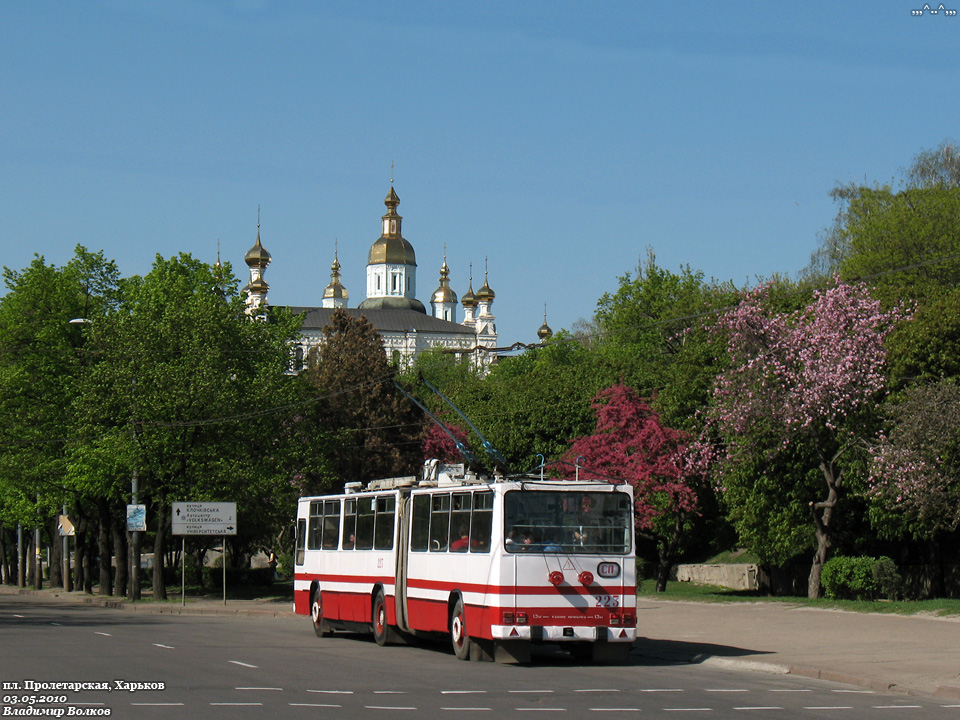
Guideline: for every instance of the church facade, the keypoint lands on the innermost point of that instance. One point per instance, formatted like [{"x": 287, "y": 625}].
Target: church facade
[{"x": 391, "y": 304}]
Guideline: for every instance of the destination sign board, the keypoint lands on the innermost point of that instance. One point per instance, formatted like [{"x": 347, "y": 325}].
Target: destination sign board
[{"x": 204, "y": 518}]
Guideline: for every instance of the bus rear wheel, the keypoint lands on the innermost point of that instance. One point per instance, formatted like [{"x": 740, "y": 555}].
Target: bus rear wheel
[
  {"x": 458, "y": 632},
  {"x": 320, "y": 626},
  {"x": 380, "y": 620}
]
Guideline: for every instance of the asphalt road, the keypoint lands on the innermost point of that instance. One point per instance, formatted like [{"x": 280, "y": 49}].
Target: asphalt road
[{"x": 252, "y": 667}]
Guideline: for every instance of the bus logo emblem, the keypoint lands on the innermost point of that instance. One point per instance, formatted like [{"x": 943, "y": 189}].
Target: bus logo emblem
[{"x": 608, "y": 570}]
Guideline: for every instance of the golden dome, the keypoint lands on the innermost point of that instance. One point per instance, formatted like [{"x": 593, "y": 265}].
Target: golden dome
[
  {"x": 444, "y": 293},
  {"x": 335, "y": 289},
  {"x": 257, "y": 256},
  {"x": 391, "y": 248},
  {"x": 469, "y": 299}
]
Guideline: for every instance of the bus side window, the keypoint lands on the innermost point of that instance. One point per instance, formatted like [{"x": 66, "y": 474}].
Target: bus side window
[
  {"x": 440, "y": 522},
  {"x": 365, "y": 519},
  {"x": 460, "y": 522},
  {"x": 481, "y": 528},
  {"x": 331, "y": 524},
  {"x": 386, "y": 511},
  {"x": 349, "y": 524},
  {"x": 301, "y": 539},
  {"x": 420, "y": 524},
  {"x": 316, "y": 525}
]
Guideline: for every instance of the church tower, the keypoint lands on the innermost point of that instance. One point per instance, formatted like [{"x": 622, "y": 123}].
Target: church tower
[
  {"x": 444, "y": 300},
  {"x": 392, "y": 266},
  {"x": 335, "y": 295},
  {"x": 257, "y": 259}
]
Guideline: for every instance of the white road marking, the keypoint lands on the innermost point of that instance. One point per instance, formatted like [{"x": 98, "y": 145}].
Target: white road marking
[
  {"x": 759, "y": 707},
  {"x": 615, "y": 709},
  {"x": 165, "y": 647},
  {"x": 789, "y": 690},
  {"x": 598, "y": 690},
  {"x": 18, "y": 616},
  {"x": 463, "y": 692},
  {"x": 726, "y": 690},
  {"x": 895, "y": 707},
  {"x": 474, "y": 709},
  {"x": 540, "y": 709},
  {"x": 55, "y": 623},
  {"x": 688, "y": 709},
  {"x": 829, "y": 707},
  {"x": 387, "y": 707},
  {"x": 232, "y": 704},
  {"x": 97, "y": 632},
  {"x": 661, "y": 689},
  {"x": 332, "y": 692},
  {"x": 243, "y": 664},
  {"x": 854, "y": 692},
  {"x": 530, "y": 691},
  {"x": 317, "y": 705},
  {"x": 389, "y": 692}
]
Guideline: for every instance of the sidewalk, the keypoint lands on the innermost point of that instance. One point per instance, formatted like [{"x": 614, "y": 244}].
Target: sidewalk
[{"x": 910, "y": 654}]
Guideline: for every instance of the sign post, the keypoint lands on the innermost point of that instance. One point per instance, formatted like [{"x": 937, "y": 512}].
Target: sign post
[{"x": 204, "y": 518}]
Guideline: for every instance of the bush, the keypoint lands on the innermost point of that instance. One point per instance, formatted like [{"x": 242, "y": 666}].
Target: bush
[
  {"x": 860, "y": 578},
  {"x": 887, "y": 578}
]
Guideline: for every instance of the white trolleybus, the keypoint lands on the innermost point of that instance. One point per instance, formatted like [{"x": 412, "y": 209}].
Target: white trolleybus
[{"x": 496, "y": 565}]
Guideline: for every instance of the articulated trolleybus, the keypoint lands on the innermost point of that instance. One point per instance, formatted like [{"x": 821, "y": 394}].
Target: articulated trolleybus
[{"x": 494, "y": 564}]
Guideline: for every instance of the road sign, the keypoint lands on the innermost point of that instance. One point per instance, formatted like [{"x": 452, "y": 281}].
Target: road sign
[
  {"x": 65, "y": 527},
  {"x": 204, "y": 518},
  {"x": 136, "y": 518}
]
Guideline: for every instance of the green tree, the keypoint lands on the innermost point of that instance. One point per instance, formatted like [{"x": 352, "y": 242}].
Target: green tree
[
  {"x": 40, "y": 367},
  {"x": 360, "y": 427},
  {"x": 651, "y": 334},
  {"x": 189, "y": 392}
]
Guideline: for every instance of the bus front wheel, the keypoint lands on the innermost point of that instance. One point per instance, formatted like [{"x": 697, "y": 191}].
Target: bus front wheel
[
  {"x": 458, "y": 632},
  {"x": 380, "y": 620},
  {"x": 320, "y": 626}
]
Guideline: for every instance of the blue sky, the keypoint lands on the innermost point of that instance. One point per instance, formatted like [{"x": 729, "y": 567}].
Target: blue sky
[{"x": 557, "y": 139}]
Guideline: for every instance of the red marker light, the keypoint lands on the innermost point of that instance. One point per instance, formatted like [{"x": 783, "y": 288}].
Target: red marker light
[
  {"x": 585, "y": 578},
  {"x": 556, "y": 577}
]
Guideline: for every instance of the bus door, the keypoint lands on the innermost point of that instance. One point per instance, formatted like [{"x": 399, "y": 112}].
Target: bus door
[{"x": 403, "y": 548}]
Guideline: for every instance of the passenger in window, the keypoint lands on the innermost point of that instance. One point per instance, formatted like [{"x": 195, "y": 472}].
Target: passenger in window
[{"x": 462, "y": 543}]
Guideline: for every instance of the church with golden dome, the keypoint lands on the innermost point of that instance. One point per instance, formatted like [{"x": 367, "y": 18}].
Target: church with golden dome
[{"x": 391, "y": 303}]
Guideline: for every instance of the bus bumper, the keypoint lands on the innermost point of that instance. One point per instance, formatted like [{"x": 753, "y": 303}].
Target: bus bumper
[{"x": 559, "y": 633}]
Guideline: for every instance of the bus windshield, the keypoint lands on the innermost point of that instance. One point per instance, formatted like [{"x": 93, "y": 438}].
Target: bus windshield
[{"x": 567, "y": 521}]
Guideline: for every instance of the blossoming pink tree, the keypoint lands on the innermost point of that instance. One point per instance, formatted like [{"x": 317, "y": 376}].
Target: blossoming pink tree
[
  {"x": 631, "y": 444},
  {"x": 803, "y": 378}
]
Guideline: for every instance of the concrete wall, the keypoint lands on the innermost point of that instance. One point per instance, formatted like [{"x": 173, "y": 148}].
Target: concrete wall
[{"x": 736, "y": 577}]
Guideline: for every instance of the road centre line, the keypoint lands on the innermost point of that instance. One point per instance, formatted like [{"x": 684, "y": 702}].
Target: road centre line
[
  {"x": 790, "y": 690},
  {"x": 615, "y": 709},
  {"x": 530, "y": 691},
  {"x": 97, "y": 632},
  {"x": 540, "y": 709},
  {"x": 55, "y": 623},
  {"x": 597, "y": 690},
  {"x": 759, "y": 707},
  {"x": 659, "y": 690},
  {"x": 726, "y": 690},
  {"x": 828, "y": 707},
  {"x": 387, "y": 707},
  {"x": 896, "y": 707},
  {"x": 315, "y": 705},
  {"x": 472, "y": 709},
  {"x": 389, "y": 692},
  {"x": 854, "y": 692},
  {"x": 688, "y": 709},
  {"x": 18, "y": 616},
  {"x": 332, "y": 692},
  {"x": 462, "y": 692},
  {"x": 243, "y": 664},
  {"x": 165, "y": 647}
]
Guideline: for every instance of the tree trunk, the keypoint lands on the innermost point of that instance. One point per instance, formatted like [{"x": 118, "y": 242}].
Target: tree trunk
[
  {"x": 103, "y": 547},
  {"x": 667, "y": 553},
  {"x": 4, "y": 560},
  {"x": 159, "y": 543},
  {"x": 21, "y": 559},
  {"x": 823, "y": 518},
  {"x": 120, "y": 552},
  {"x": 32, "y": 564},
  {"x": 56, "y": 556}
]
